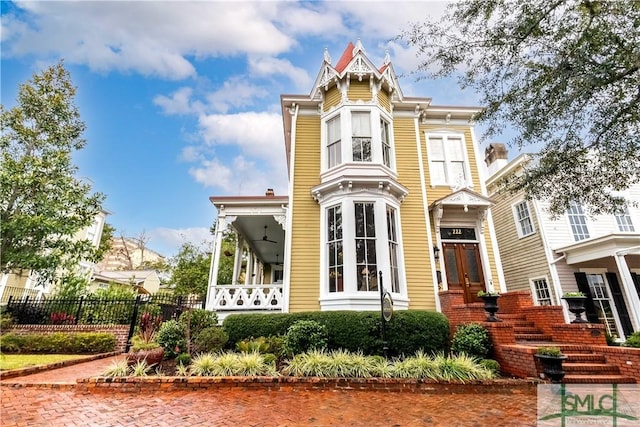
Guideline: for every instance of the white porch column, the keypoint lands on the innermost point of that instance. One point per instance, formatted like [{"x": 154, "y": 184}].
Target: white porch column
[
  {"x": 221, "y": 226},
  {"x": 628, "y": 288},
  {"x": 237, "y": 259}
]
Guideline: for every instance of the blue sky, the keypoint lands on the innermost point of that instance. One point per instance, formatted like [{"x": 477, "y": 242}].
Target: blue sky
[{"x": 182, "y": 99}]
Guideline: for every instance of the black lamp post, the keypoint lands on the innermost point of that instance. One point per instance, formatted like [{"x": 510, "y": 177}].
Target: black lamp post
[{"x": 386, "y": 311}]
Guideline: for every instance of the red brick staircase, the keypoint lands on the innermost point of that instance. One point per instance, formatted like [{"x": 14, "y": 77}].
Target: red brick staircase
[
  {"x": 525, "y": 327},
  {"x": 584, "y": 364}
]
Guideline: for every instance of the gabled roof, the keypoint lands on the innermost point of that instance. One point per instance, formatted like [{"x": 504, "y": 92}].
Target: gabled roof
[
  {"x": 463, "y": 197},
  {"x": 354, "y": 62}
]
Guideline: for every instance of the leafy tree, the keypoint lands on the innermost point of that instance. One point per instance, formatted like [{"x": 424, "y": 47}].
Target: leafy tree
[
  {"x": 190, "y": 272},
  {"x": 105, "y": 241},
  {"x": 563, "y": 74},
  {"x": 42, "y": 203}
]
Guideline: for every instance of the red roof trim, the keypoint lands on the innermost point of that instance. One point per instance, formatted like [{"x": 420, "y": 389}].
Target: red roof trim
[{"x": 346, "y": 57}]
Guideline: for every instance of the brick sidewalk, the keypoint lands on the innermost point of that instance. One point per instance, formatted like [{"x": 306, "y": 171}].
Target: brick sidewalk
[
  {"x": 23, "y": 403},
  {"x": 28, "y": 406}
]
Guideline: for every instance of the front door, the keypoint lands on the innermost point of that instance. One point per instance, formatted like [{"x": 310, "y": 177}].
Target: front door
[{"x": 464, "y": 269}]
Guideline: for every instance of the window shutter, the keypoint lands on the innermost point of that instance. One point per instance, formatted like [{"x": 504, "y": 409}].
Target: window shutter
[
  {"x": 583, "y": 286},
  {"x": 618, "y": 300}
]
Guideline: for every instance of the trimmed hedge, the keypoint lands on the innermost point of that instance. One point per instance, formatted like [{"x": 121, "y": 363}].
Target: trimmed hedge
[
  {"x": 407, "y": 332},
  {"x": 58, "y": 343}
]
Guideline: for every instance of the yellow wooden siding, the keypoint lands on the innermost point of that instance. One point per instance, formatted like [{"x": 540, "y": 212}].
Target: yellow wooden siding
[
  {"x": 414, "y": 229},
  {"x": 438, "y": 192},
  {"x": 359, "y": 91},
  {"x": 332, "y": 98},
  {"x": 305, "y": 218},
  {"x": 384, "y": 100},
  {"x": 522, "y": 258}
]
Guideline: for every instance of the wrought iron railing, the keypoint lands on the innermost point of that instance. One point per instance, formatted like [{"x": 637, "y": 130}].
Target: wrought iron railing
[
  {"x": 94, "y": 311},
  {"x": 247, "y": 297}
]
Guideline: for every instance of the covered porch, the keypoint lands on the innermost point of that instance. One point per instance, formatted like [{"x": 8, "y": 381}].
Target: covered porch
[{"x": 258, "y": 279}]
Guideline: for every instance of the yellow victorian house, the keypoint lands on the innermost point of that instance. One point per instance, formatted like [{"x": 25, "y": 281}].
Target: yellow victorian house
[{"x": 384, "y": 191}]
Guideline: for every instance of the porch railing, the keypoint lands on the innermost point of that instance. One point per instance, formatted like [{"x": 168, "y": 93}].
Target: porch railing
[{"x": 247, "y": 297}]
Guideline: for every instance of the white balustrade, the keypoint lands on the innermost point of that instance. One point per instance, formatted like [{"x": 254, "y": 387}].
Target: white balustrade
[{"x": 247, "y": 297}]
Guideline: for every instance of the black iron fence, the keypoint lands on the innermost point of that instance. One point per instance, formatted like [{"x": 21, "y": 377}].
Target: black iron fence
[{"x": 95, "y": 311}]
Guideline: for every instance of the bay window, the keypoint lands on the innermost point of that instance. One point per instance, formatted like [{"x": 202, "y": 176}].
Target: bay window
[{"x": 365, "y": 243}]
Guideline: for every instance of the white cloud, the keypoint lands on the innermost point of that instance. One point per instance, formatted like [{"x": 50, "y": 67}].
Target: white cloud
[
  {"x": 257, "y": 135},
  {"x": 167, "y": 241},
  {"x": 151, "y": 38},
  {"x": 179, "y": 102},
  {"x": 241, "y": 176},
  {"x": 236, "y": 92},
  {"x": 265, "y": 66}
]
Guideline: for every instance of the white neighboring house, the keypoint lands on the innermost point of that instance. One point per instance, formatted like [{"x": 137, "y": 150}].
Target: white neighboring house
[
  {"x": 23, "y": 283},
  {"x": 142, "y": 281},
  {"x": 599, "y": 256}
]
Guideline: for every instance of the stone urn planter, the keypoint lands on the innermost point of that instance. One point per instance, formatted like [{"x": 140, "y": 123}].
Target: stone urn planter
[
  {"x": 152, "y": 356},
  {"x": 490, "y": 305},
  {"x": 551, "y": 359},
  {"x": 575, "y": 304}
]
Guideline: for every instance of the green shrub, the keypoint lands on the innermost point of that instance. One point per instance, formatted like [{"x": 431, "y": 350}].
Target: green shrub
[
  {"x": 198, "y": 319},
  {"x": 305, "y": 335},
  {"x": 183, "y": 359},
  {"x": 407, "y": 332},
  {"x": 5, "y": 321},
  {"x": 491, "y": 365},
  {"x": 633, "y": 340},
  {"x": 59, "y": 343},
  {"x": 11, "y": 343},
  {"x": 171, "y": 337},
  {"x": 410, "y": 331},
  {"x": 212, "y": 339},
  {"x": 471, "y": 339}
]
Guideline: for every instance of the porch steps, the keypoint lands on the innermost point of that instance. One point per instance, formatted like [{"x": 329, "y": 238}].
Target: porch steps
[
  {"x": 597, "y": 379},
  {"x": 532, "y": 337}
]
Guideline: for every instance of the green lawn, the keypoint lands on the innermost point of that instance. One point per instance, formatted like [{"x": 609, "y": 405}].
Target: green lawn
[{"x": 17, "y": 361}]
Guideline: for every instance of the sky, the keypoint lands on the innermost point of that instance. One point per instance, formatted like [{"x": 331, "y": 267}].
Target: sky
[{"x": 181, "y": 99}]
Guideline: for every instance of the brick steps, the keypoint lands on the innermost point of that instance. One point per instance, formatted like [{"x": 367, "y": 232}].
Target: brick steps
[
  {"x": 532, "y": 337},
  {"x": 597, "y": 379},
  {"x": 585, "y": 357},
  {"x": 589, "y": 368},
  {"x": 526, "y": 330}
]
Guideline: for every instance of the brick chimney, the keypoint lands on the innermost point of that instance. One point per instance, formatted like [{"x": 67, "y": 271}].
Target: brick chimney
[
  {"x": 269, "y": 192},
  {"x": 496, "y": 157}
]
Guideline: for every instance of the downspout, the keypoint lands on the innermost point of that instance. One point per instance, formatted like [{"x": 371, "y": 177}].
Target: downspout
[{"x": 286, "y": 279}]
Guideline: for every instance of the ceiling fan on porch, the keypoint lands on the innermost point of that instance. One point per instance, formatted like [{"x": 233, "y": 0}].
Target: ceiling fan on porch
[
  {"x": 278, "y": 260},
  {"x": 265, "y": 238}
]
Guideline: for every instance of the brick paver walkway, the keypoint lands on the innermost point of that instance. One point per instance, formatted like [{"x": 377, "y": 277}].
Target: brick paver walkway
[{"x": 33, "y": 406}]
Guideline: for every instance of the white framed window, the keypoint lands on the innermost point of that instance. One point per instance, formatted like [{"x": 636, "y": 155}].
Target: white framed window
[
  {"x": 541, "y": 291},
  {"x": 335, "y": 249},
  {"x": 334, "y": 142},
  {"x": 447, "y": 159},
  {"x": 578, "y": 221},
  {"x": 522, "y": 217},
  {"x": 366, "y": 268},
  {"x": 623, "y": 219},
  {"x": 392, "y": 234},
  {"x": 385, "y": 139},
  {"x": 602, "y": 302},
  {"x": 361, "y": 136}
]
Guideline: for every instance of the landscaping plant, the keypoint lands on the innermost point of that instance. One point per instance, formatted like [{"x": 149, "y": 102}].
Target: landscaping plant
[
  {"x": 305, "y": 335},
  {"x": 171, "y": 336},
  {"x": 471, "y": 339}
]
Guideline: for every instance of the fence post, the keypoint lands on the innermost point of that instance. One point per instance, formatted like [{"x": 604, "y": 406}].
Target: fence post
[
  {"x": 79, "y": 310},
  {"x": 132, "y": 326}
]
